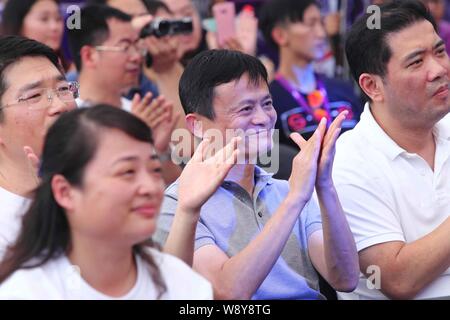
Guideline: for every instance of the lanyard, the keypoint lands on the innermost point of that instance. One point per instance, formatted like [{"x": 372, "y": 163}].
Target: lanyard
[{"x": 316, "y": 112}]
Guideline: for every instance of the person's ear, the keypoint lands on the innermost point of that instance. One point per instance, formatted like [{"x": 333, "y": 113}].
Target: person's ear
[
  {"x": 373, "y": 86},
  {"x": 279, "y": 36},
  {"x": 89, "y": 56},
  {"x": 194, "y": 125},
  {"x": 63, "y": 192}
]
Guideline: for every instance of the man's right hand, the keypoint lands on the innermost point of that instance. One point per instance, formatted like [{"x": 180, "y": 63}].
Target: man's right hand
[
  {"x": 305, "y": 164},
  {"x": 157, "y": 114},
  {"x": 203, "y": 175}
]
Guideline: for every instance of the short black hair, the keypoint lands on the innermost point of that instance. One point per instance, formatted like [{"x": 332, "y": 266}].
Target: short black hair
[
  {"x": 13, "y": 48},
  {"x": 154, "y": 5},
  {"x": 278, "y": 12},
  {"x": 367, "y": 49},
  {"x": 14, "y": 13},
  {"x": 211, "y": 68},
  {"x": 94, "y": 28}
]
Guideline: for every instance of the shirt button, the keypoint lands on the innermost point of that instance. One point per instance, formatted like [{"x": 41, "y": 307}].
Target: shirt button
[{"x": 260, "y": 214}]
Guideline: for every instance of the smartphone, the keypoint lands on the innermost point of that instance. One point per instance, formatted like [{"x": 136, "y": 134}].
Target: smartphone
[{"x": 224, "y": 13}]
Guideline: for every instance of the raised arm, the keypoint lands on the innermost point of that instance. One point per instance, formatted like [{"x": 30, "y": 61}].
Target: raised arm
[
  {"x": 239, "y": 277},
  {"x": 333, "y": 250},
  {"x": 199, "y": 180}
]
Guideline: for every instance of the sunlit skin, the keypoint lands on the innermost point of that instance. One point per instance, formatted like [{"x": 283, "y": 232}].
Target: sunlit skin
[
  {"x": 115, "y": 207},
  {"x": 242, "y": 107},
  {"x": 415, "y": 88},
  {"x": 121, "y": 193},
  {"x": 22, "y": 127}
]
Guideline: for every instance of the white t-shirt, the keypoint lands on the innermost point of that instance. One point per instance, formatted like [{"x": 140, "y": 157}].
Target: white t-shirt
[
  {"x": 126, "y": 104},
  {"x": 59, "y": 279},
  {"x": 389, "y": 194},
  {"x": 12, "y": 208}
]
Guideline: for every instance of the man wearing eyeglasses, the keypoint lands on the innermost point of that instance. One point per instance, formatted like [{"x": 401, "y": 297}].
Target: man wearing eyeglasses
[
  {"x": 164, "y": 69},
  {"x": 108, "y": 55},
  {"x": 33, "y": 93}
]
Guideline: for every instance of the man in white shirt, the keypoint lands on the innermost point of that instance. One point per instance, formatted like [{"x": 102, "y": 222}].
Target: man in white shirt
[
  {"x": 33, "y": 93},
  {"x": 392, "y": 172}
]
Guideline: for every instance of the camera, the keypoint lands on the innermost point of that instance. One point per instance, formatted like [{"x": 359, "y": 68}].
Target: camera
[{"x": 167, "y": 27}]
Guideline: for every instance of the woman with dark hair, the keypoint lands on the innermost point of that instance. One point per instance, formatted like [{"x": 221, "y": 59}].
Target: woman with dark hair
[
  {"x": 39, "y": 20},
  {"x": 87, "y": 233}
]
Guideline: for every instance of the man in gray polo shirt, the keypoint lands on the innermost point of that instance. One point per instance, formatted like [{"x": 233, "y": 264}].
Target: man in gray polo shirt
[{"x": 258, "y": 237}]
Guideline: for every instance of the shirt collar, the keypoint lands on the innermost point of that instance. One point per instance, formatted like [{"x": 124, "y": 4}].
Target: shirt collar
[
  {"x": 442, "y": 129},
  {"x": 377, "y": 136},
  {"x": 262, "y": 176},
  {"x": 262, "y": 179},
  {"x": 383, "y": 142}
]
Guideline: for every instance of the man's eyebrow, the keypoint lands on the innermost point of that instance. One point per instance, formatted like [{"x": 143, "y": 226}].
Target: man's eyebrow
[
  {"x": 244, "y": 102},
  {"x": 266, "y": 97},
  {"x": 29, "y": 86},
  {"x": 414, "y": 54},
  {"x": 422, "y": 51},
  {"x": 125, "y": 159},
  {"x": 134, "y": 158},
  {"x": 439, "y": 44},
  {"x": 252, "y": 101},
  {"x": 38, "y": 83}
]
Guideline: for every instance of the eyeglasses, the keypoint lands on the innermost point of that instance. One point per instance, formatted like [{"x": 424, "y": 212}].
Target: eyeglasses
[
  {"x": 129, "y": 49},
  {"x": 33, "y": 98}
]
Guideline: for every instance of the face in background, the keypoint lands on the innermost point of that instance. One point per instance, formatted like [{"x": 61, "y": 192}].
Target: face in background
[
  {"x": 21, "y": 126},
  {"x": 247, "y": 107},
  {"x": 120, "y": 69},
  {"x": 44, "y": 23},
  {"x": 436, "y": 7},
  {"x": 415, "y": 88},
  {"x": 305, "y": 39},
  {"x": 181, "y": 9},
  {"x": 121, "y": 193}
]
